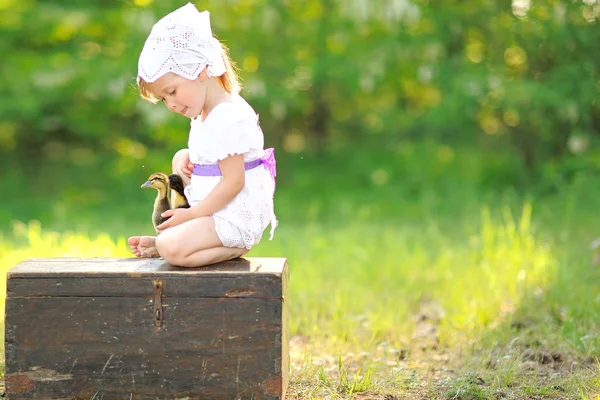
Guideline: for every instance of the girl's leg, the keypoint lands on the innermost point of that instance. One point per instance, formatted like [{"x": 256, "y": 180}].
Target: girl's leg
[
  {"x": 215, "y": 255},
  {"x": 192, "y": 244},
  {"x": 145, "y": 247}
]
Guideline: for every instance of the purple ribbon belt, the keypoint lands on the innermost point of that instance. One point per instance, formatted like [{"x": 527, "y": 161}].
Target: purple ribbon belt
[{"x": 268, "y": 160}]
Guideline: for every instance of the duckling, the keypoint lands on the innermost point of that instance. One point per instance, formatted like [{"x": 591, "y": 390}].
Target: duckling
[
  {"x": 160, "y": 182},
  {"x": 178, "y": 199}
]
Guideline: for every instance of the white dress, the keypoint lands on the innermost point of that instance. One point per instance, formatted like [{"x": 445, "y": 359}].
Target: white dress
[{"x": 233, "y": 128}]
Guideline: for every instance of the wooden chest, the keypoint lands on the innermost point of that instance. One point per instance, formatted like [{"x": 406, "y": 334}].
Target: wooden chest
[{"x": 141, "y": 329}]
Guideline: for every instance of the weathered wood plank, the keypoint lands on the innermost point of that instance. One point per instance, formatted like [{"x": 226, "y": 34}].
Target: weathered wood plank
[
  {"x": 207, "y": 348},
  {"x": 285, "y": 354},
  {"x": 136, "y": 267},
  {"x": 257, "y": 286}
]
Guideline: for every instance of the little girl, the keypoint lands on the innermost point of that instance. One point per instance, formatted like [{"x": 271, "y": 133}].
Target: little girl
[{"x": 230, "y": 178}]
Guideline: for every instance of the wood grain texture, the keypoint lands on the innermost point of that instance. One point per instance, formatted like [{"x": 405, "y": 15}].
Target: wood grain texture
[
  {"x": 258, "y": 286},
  {"x": 230, "y": 342},
  {"x": 139, "y": 267}
]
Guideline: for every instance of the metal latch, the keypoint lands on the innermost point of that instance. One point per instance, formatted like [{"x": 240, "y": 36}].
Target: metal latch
[{"x": 158, "y": 310}]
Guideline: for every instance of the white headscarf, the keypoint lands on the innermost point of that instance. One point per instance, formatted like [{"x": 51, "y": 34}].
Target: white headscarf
[{"x": 181, "y": 42}]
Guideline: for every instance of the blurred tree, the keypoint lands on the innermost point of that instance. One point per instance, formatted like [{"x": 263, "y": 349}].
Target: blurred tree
[{"x": 520, "y": 75}]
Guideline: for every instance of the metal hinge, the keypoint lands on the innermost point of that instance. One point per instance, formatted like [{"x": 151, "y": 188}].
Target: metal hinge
[{"x": 158, "y": 310}]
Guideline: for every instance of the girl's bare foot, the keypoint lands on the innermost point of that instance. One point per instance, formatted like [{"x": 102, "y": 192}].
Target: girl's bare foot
[{"x": 143, "y": 246}]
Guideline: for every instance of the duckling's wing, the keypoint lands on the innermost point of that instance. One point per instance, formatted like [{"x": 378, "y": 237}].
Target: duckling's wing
[
  {"x": 160, "y": 206},
  {"x": 178, "y": 201}
]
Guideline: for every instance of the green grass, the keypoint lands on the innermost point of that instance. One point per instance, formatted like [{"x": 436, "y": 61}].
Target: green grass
[
  {"x": 428, "y": 285},
  {"x": 359, "y": 293}
]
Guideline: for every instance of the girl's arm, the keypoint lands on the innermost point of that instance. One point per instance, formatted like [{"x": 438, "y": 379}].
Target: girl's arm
[
  {"x": 234, "y": 178},
  {"x": 186, "y": 166}
]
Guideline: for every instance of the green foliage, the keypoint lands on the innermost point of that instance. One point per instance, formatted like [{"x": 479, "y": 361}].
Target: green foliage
[{"x": 320, "y": 73}]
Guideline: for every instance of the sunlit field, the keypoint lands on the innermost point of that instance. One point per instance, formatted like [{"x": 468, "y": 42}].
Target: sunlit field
[
  {"x": 488, "y": 309},
  {"x": 424, "y": 283}
]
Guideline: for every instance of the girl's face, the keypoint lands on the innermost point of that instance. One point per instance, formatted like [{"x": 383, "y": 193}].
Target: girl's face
[{"x": 181, "y": 95}]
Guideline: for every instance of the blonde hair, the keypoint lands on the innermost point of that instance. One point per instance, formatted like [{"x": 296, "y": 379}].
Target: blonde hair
[{"x": 229, "y": 81}]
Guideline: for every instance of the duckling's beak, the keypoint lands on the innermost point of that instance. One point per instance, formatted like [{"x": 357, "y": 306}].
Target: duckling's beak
[{"x": 147, "y": 184}]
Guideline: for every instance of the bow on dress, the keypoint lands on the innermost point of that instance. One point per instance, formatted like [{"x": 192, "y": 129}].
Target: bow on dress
[{"x": 268, "y": 160}]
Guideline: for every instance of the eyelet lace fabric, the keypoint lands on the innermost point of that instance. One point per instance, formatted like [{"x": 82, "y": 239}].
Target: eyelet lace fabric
[
  {"x": 232, "y": 128},
  {"x": 181, "y": 42}
]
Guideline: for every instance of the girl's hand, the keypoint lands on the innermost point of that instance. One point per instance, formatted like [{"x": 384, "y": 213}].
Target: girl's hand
[
  {"x": 186, "y": 165},
  {"x": 178, "y": 216}
]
